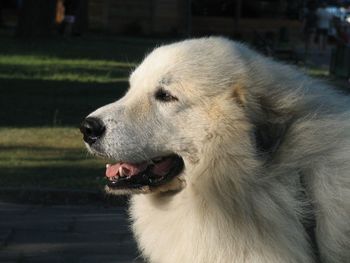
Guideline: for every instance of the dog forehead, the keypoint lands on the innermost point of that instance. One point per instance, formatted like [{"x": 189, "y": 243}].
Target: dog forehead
[
  {"x": 156, "y": 68},
  {"x": 193, "y": 61}
]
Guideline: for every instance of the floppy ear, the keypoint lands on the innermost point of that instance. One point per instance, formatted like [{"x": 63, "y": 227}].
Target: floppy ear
[
  {"x": 269, "y": 136},
  {"x": 270, "y": 125}
]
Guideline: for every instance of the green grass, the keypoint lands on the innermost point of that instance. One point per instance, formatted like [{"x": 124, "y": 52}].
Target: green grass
[
  {"x": 47, "y": 157},
  {"x": 28, "y": 67},
  {"x": 318, "y": 72},
  {"x": 46, "y": 88}
]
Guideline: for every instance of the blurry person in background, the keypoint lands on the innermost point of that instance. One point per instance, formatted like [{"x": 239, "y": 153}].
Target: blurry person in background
[
  {"x": 71, "y": 17},
  {"x": 324, "y": 19},
  {"x": 341, "y": 25},
  {"x": 347, "y": 13},
  {"x": 70, "y": 10},
  {"x": 60, "y": 10}
]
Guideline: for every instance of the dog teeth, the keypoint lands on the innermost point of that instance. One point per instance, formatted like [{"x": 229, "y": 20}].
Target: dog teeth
[
  {"x": 107, "y": 165},
  {"x": 121, "y": 172},
  {"x": 114, "y": 178}
]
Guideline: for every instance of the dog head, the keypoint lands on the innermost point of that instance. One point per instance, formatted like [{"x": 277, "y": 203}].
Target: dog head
[{"x": 187, "y": 104}]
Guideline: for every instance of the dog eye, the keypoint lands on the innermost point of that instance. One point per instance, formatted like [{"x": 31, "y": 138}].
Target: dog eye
[{"x": 165, "y": 96}]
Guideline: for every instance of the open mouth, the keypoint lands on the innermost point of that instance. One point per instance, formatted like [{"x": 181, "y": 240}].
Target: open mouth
[{"x": 156, "y": 172}]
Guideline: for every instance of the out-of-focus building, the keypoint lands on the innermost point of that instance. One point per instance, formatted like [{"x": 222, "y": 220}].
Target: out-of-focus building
[
  {"x": 158, "y": 17},
  {"x": 197, "y": 17},
  {"x": 137, "y": 16}
]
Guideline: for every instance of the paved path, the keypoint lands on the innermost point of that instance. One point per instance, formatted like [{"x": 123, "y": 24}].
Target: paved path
[{"x": 67, "y": 234}]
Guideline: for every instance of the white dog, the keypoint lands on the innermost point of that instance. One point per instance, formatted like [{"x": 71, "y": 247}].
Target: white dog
[{"x": 233, "y": 156}]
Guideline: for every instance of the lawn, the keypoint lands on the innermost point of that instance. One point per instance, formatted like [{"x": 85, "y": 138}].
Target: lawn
[{"x": 46, "y": 89}]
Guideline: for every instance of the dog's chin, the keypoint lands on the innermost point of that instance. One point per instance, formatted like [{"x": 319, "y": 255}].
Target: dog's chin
[{"x": 159, "y": 175}]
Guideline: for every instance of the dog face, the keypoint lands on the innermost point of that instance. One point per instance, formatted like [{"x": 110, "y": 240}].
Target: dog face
[{"x": 180, "y": 98}]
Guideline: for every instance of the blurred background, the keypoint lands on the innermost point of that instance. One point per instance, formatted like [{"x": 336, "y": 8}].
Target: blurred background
[{"x": 61, "y": 59}]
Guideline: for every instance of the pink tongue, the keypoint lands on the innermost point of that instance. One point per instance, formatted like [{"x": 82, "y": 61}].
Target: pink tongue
[
  {"x": 128, "y": 169},
  {"x": 163, "y": 167}
]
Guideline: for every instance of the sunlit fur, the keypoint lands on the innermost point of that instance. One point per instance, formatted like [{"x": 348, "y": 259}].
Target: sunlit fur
[{"x": 265, "y": 149}]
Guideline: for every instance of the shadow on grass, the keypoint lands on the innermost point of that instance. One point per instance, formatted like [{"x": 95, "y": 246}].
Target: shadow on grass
[
  {"x": 52, "y": 175},
  {"x": 104, "y": 74},
  {"x": 38, "y": 165},
  {"x": 84, "y": 178},
  {"x": 32, "y": 153},
  {"x": 111, "y": 48},
  {"x": 56, "y": 185},
  {"x": 28, "y": 103}
]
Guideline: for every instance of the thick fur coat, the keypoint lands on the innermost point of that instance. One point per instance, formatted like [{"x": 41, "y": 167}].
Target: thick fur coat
[{"x": 266, "y": 155}]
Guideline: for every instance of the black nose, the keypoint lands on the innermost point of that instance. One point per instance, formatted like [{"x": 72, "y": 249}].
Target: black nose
[{"x": 92, "y": 129}]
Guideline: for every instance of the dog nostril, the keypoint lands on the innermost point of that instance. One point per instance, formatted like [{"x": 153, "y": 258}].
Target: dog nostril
[{"x": 92, "y": 129}]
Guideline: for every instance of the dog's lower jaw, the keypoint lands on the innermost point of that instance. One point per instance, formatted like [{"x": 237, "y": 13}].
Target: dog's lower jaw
[{"x": 175, "y": 185}]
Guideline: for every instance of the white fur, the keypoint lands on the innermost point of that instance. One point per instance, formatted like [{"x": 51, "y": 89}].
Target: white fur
[{"x": 237, "y": 204}]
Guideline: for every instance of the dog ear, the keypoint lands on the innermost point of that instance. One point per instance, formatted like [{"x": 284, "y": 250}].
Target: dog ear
[
  {"x": 270, "y": 127},
  {"x": 269, "y": 136},
  {"x": 270, "y": 124}
]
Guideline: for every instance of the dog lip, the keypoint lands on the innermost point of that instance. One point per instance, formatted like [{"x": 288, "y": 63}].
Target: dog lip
[{"x": 147, "y": 177}]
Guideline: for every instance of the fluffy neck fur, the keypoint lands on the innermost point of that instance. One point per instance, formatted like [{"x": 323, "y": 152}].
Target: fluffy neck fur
[{"x": 231, "y": 215}]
